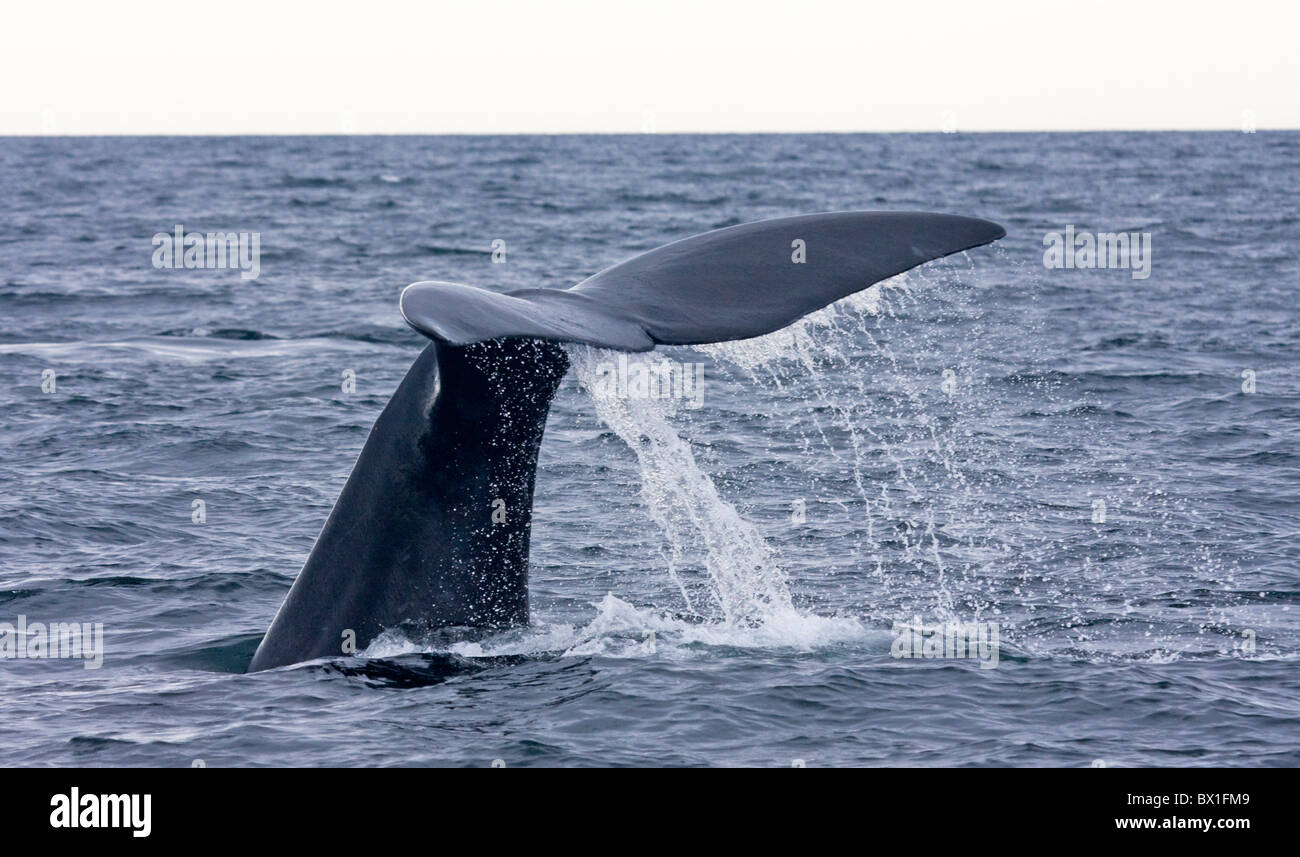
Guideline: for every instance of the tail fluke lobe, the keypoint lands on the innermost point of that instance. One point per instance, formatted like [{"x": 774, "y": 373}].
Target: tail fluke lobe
[{"x": 732, "y": 283}]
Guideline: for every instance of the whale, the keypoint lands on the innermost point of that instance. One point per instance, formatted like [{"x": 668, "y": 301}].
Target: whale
[{"x": 431, "y": 531}]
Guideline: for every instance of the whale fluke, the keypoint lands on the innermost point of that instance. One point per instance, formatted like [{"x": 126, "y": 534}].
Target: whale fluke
[
  {"x": 733, "y": 283},
  {"x": 431, "y": 530}
]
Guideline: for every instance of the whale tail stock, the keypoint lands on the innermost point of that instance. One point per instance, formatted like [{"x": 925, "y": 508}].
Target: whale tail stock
[{"x": 432, "y": 528}]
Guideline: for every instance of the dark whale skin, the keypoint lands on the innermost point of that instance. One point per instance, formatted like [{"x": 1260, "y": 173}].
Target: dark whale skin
[
  {"x": 732, "y": 283},
  {"x": 412, "y": 541}
]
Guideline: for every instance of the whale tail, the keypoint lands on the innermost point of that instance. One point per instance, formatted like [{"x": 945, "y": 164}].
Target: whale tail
[
  {"x": 732, "y": 283},
  {"x": 432, "y": 528}
]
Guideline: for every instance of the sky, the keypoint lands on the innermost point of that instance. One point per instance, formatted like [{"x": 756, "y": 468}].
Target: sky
[{"x": 555, "y": 66}]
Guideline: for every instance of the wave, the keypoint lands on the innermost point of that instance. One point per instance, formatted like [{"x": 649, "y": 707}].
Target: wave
[{"x": 193, "y": 349}]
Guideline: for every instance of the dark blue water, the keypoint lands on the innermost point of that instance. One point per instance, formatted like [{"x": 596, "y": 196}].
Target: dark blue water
[{"x": 949, "y": 436}]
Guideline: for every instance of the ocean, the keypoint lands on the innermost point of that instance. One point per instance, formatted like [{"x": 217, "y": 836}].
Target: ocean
[{"x": 1097, "y": 467}]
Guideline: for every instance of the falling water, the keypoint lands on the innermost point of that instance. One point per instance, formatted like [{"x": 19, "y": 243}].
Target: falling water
[
  {"x": 901, "y": 444},
  {"x": 747, "y": 585}
]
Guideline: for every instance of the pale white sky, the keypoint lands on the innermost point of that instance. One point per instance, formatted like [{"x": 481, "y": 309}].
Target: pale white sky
[{"x": 557, "y": 66}]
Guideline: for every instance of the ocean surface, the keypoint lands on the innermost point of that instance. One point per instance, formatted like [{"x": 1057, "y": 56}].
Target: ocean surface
[{"x": 1106, "y": 467}]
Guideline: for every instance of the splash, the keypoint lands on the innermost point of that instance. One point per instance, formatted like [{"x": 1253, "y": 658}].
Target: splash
[
  {"x": 892, "y": 423},
  {"x": 747, "y": 586},
  {"x": 620, "y": 629},
  {"x": 890, "y": 411}
]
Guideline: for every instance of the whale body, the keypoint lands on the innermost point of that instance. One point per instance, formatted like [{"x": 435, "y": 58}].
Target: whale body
[{"x": 431, "y": 530}]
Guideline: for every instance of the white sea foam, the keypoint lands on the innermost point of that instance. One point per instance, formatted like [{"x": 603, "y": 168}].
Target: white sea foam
[{"x": 620, "y": 629}]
